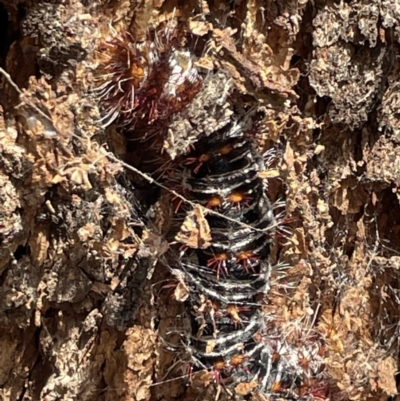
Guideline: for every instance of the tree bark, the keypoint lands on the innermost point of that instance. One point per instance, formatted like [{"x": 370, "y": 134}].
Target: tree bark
[{"x": 83, "y": 313}]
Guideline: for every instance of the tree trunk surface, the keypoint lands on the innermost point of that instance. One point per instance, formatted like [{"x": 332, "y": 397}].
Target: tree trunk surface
[{"x": 85, "y": 294}]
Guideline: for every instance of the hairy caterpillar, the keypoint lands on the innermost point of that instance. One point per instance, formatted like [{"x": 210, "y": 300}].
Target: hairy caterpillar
[{"x": 228, "y": 281}]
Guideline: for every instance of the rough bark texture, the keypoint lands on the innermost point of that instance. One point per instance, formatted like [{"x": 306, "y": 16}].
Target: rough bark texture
[{"x": 82, "y": 309}]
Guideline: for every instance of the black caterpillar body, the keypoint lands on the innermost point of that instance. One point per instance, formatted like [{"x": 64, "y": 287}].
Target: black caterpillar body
[
  {"x": 228, "y": 281},
  {"x": 234, "y": 271}
]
